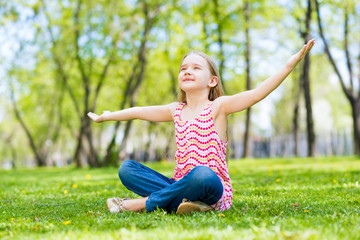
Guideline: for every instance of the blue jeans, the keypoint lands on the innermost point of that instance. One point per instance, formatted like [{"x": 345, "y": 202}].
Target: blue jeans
[{"x": 200, "y": 184}]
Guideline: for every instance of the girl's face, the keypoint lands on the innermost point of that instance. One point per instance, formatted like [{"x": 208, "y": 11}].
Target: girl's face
[{"x": 195, "y": 74}]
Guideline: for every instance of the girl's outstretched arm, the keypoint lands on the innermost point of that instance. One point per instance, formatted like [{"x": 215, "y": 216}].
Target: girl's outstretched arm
[
  {"x": 163, "y": 113},
  {"x": 244, "y": 100}
]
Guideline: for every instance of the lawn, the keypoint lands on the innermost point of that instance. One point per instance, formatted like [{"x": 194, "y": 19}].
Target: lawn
[{"x": 273, "y": 199}]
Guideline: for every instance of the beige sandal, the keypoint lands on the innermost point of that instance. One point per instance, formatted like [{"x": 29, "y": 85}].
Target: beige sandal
[
  {"x": 187, "y": 207},
  {"x": 115, "y": 204}
]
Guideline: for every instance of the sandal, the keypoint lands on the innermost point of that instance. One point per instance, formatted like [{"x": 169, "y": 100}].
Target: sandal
[
  {"x": 115, "y": 204},
  {"x": 187, "y": 207}
]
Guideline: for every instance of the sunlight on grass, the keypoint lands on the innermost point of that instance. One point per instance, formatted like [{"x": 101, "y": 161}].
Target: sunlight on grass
[{"x": 273, "y": 199}]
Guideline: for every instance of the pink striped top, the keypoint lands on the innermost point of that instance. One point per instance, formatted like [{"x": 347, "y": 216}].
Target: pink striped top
[{"x": 198, "y": 143}]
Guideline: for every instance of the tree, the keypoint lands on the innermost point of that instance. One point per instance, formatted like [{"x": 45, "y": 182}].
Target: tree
[
  {"x": 247, "y": 10},
  {"x": 303, "y": 19},
  {"x": 305, "y": 79},
  {"x": 353, "y": 95},
  {"x": 136, "y": 78},
  {"x": 27, "y": 96},
  {"x": 91, "y": 66}
]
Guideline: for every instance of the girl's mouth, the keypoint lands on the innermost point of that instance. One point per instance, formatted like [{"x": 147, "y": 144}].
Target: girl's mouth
[{"x": 188, "y": 79}]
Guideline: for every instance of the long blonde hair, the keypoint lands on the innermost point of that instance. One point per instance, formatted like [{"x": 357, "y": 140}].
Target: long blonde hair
[{"x": 214, "y": 92}]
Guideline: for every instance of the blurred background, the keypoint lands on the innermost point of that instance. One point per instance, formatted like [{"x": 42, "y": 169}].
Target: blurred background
[{"x": 60, "y": 59}]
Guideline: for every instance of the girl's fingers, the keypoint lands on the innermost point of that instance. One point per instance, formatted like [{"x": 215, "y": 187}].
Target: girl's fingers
[
  {"x": 306, "y": 48},
  {"x": 310, "y": 45},
  {"x": 302, "y": 52},
  {"x": 93, "y": 116},
  {"x": 303, "y": 49}
]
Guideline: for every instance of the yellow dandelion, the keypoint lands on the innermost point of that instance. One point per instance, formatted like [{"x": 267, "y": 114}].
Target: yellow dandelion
[
  {"x": 306, "y": 211},
  {"x": 335, "y": 181},
  {"x": 88, "y": 176},
  {"x": 67, "y": 222},
  {"x": 74, "y": 185},
  {"x": 24, "y": 191},
  {"x": 299, "y": 181},
  {"x": 65, "y": 191},
  {"x": 12, "y": 219},
  {"x": 278, "y": 180},
  {"x": 221, "y": 215}
]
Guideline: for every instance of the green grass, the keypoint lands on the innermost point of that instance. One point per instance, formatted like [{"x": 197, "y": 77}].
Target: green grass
[{"x": 273, "y": 199}]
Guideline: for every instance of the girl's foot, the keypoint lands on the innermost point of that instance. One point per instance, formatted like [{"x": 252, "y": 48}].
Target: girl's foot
[
  {"x": 115, "y": 205},
  {"x": 187, "y": 207},
  {"x": 126, "y": 204}
]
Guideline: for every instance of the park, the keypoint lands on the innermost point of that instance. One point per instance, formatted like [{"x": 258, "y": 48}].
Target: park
[{"x": 79, "y": 77}]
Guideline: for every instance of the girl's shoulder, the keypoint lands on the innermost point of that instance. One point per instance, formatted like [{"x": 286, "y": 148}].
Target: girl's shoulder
[
  {"x": 172, "y": 107},
  {"x": 217, "y": 103},
  {"x": 217, "y": 106}
]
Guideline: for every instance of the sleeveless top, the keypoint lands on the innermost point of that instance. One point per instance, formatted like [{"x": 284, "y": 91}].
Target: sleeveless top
[{"x": 198, "y": 143}]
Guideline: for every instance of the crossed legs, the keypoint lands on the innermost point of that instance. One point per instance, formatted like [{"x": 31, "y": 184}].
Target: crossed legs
[{"x": 158, "y": 191}]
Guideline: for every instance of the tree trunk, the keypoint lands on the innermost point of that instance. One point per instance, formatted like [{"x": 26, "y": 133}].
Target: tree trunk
[
  {"x": 247, "y": 151},
  {"x": 13, "y": 156},
  {"x": 295, "y": 125},
  {"x": 309, "y": 115},
  {"x": 109, "y": 150},
  {"x": 93, "y": 159},
  {"x": 40, "y": 160},
  {"x": 77, "y": 152},
  {"x": 134, "y": 95},
  {"x": 9, "y": 143},
  {"x": 355, "y": 107},
  {"x": 306, "y": 86},
  {"x": 92, "y": 153},
  {"x": 296, "y": 129},
  {"x": 220, "y": 40}
]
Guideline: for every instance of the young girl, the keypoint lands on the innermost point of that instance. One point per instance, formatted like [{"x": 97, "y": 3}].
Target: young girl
[{"x": 201, "y": 179}]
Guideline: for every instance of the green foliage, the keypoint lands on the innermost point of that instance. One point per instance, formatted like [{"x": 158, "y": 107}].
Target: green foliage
[
  {"x": 273, "y": 199},
  {"x": 47, "y": 31}
]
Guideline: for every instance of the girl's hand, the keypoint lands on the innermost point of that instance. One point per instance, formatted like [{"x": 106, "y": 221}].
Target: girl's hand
[
  {"x": 97, "y": 118},
  {"x": 296, "y": 58},
  {"x": 244, "y": 100}
]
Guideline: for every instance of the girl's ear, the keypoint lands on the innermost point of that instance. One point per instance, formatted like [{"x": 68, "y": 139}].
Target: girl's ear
[{"x": 213, "y": 81}]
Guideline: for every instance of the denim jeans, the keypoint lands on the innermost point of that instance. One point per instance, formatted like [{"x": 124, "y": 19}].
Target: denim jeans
[{"x": 200, "y": 184}]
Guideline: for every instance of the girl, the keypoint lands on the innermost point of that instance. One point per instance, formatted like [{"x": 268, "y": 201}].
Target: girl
[{"x": 201, "y": 180}]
